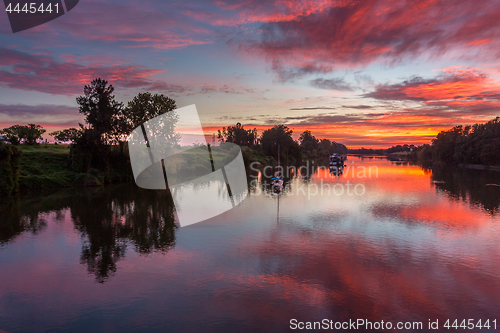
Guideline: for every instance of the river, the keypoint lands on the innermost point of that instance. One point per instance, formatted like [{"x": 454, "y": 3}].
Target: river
[{"x": 383, "y": 241}]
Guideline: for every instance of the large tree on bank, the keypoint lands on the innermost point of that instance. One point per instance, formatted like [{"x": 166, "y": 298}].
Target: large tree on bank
[
  {"x": 102, "y": 116},
  {"x": 143, "y": 107},
  {"x": 280, "y": 135},
  {"x": 102, "y": 112},
  {"x": 309, "y": 144}
]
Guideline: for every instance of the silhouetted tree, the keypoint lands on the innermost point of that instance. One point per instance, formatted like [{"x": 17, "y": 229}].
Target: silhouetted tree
[
  {"x": 69, "y": 134},
  {"x": 29, "y": 133},
  {"x": 142, "y": 108},
  {"x": 238, "y": 134},
  {"x": 102, "y": 112},
  {"x": 476, "y": 144},
  {"x": 102, "y": 117},
  {"x": 339, "y": 148},
  {"x": 280, "y": 135},
  {"x": 444, "y": 144},
  {"x": 309, "y": 144},
  {"x": 32, "y": 133},
  {"x": 14, "y": 134},
  {"x": 400, "y": 148},
  {"x": 325, "y": 147}
]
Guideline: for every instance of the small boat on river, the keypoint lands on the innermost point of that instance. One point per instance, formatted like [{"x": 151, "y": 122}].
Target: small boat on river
[
  {"x": 277, "y": 184},
  {"x": 336, "y": 160}
]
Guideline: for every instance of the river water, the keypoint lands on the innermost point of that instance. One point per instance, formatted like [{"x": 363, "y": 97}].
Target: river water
[{"x": 383, "y": 241}]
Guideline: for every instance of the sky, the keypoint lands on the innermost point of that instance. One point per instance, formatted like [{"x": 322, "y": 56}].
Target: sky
[{"x": 367, "y": 73}]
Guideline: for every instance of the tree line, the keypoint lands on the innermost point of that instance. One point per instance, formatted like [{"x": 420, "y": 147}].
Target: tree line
[
  {"x": 97, "y": 151},
  {"x": 307, "y": 146},
  {"x": 394, "y": 149},
  {"x": 107, "y": 121},
  {"x": 471, "y": 144},
  {"x": 28, "y": 134},
  {"x": 98, "y": 146}
]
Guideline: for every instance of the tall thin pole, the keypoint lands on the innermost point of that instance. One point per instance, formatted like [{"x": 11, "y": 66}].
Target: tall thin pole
[
  {"x": 279, "y": 173},
  {"x": 278, "y": 214}
]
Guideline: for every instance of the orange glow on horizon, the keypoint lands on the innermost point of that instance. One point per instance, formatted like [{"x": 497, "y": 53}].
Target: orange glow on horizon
[{"x": 359, "y": 135}]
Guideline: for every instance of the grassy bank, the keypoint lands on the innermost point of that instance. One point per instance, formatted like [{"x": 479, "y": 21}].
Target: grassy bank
[
  {"x": 45, "y": 148},
  {"x": 47, "y": 166},
  {"x": 44, "y": 165}
]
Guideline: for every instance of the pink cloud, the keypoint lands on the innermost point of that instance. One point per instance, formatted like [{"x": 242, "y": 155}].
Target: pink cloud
[
  {"x": 42, "y": 73},
  {"x": 455, "y": 91},
  {"x": 125, "y": 24},
  {"x": 357, "y": 33},
  {"x": 20, "y": 70}
]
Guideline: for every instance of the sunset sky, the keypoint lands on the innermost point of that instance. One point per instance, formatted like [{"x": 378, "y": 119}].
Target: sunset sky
[{"x": 367, "y": 73}]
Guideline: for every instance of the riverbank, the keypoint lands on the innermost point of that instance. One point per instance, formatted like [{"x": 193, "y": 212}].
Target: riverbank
[
  {"x": 479, "y": 167},
  {"x": 47, "y": 166},
  {"x": 44, "y": 165}
]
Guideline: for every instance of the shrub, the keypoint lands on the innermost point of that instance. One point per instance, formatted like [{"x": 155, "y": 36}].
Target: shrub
[{"x": 9, "y": 168}]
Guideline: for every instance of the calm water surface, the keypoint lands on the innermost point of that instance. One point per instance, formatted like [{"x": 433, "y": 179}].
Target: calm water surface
[{"x": 408, "y": 245}]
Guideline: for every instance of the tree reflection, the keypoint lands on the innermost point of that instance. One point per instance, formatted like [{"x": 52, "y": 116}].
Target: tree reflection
[
  {"x": 101, "y": 228},
  {"x": 14, "y": 223},
  {"x": 479, "y": 187},
  {"x": 108, "y": 219}
]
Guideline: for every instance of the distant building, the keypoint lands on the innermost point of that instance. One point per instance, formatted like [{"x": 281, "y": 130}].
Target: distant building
[{"x": 3, "y": 139}]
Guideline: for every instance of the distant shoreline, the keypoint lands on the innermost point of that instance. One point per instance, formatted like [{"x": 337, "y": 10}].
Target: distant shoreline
[{"x": 479, "y": 167}]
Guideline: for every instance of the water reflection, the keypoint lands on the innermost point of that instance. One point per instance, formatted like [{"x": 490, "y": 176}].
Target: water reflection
[
  {"x": 107, "y": 219},
  {"x": 16, "y": 221},
  {"x": 408, "y": 248},
  {"x": 336, "y": 171},
  {"x": 401, "y": 251},
  {"x": 477, "y": 187}
]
